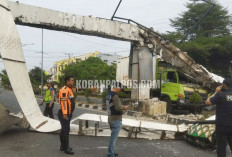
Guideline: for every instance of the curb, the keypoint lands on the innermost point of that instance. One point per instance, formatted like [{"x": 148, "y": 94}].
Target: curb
[{"x": 96, "y": 107}]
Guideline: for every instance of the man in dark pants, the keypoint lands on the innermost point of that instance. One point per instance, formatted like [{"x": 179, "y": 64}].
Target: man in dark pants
[
  {"x": 67, "y": 106},
  {"x": 222, "y": 98},
  {"x": 114, "y": 109},
  {"x": 49, "y": 99}
]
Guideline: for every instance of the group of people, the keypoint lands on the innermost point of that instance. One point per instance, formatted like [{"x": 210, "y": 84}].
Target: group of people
[
  {"x": 67, "y": 105},
  {"x": 222, "y": 98}
]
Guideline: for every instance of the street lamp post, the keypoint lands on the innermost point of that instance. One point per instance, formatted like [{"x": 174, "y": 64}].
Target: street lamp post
[
  {"x": 42, "y": 67},
  {"x": 69, "y": 56}
]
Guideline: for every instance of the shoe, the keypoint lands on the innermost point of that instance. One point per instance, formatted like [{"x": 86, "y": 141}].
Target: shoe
[
  {"x": 62, "y": 148},
  {"x": 114, "y": 155},
  {"x": 67, "y": 150}
]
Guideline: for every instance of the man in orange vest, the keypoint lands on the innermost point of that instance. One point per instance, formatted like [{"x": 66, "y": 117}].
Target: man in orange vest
[{"x": 67, "y": 106}]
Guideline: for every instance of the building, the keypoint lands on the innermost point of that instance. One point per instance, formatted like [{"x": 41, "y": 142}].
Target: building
[
  {"x": 56, "y": 70},
  {"x": 108, "y": 58},
  {"x": 53, "y": 72}
]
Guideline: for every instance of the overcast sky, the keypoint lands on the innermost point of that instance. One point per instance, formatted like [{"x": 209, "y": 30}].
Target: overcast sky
[{"x": 151, "y": 13}]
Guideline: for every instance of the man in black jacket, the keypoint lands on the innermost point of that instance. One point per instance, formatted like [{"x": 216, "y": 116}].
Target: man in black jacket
[
  {"x": 114, "y": 109},
  {"x": 222, "y": 98}
]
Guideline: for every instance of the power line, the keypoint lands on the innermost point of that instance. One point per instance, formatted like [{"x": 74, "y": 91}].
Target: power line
[
  {"x": 116, "y": 51},
  {"x": 92, "y": 42},
  {"x": 51, "y": 52},
  {"x": 38, "y": 57},
  {"x": 42, "y": 65}
]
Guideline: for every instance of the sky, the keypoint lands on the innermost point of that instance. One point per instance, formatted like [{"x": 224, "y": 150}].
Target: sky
[{"x": 151, "y": 13}]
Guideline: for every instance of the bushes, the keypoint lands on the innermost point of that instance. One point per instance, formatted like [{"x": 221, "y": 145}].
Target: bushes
[
  {"x": 87, "y": 93},
  {"x": 196, "y": 100}
]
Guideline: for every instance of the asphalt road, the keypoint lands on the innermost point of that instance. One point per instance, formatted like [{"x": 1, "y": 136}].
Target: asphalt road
[{"x": 18, "y": 142}]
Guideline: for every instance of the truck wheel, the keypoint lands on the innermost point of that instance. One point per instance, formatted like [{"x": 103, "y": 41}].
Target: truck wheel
[{"x": 169, "y": 104}]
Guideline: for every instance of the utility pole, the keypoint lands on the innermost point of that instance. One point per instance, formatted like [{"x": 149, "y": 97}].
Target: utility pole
[
  {"x": 69, "y": 56},
  {"x": 42, "y": 67}
]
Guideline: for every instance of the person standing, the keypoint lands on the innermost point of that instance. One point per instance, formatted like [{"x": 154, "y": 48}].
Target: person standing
[
  {"x": 115, "y": 111},
  {"x": 222, "y": 98},
  {"x": 49, "y": 99},
  {"x": 67, "y": 106}
]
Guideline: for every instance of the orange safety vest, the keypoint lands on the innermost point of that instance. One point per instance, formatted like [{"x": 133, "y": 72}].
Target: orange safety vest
[{"x": 65, "y": 94}]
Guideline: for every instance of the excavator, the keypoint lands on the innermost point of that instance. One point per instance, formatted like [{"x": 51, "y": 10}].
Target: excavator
[{"x": 147, "y": 45}]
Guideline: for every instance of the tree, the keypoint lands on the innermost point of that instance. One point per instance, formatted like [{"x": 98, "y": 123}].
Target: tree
[
  {"x": 216, "y": 24},
  {"x": 5, "y": 80},
  {"x": 92, "y": 68},
  {"x": 35, "y": 76},
  {"x": 213, "y": 53}
]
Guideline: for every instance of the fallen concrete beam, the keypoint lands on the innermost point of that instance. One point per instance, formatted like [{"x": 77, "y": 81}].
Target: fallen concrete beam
[
  {"x": 7, "y": 120},
  {"x": 54, "y": 20},
  {"x": 134, "y": 123},
  {"x": 180, "y": 60},
  {"x": 14, "y": 61}
]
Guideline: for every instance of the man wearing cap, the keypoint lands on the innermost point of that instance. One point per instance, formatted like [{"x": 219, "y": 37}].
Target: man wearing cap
[
  {"x": 49, "y": 99},
  {"x": 222, "y": 98},
  {"x": 114, "y": 109}
]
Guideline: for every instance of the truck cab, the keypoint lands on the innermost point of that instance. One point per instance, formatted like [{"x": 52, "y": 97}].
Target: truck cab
[
  {"x": 176, "y": 94},
  {"x": 174, "y": 88}
]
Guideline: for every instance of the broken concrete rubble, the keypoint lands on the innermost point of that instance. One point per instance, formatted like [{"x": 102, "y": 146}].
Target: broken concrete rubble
[
  {"x": 149, "y": 107},
  {"x": 7, "y": 120}
]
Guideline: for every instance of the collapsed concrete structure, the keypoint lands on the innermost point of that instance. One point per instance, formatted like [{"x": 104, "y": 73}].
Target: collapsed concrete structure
[{"x": 147, "y": 45}]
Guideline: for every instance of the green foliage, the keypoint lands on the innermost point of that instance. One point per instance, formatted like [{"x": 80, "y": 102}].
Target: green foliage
[
  {"x": 104, "y": 98},
  {"x": 195, "y": 98},
  {"x": 87, "y": 93},
  {"x": 92, "y": 68},
  {"x": 123, "y": 95},
  {"x": 174, "y": 36},
  {"x": 5, "y": 80},
  {"x": 215, "y": 53},
  {"x": 35, "y": 77},
  {"x": 216, "y": 24},
  {"x": 211, "y": 43}
]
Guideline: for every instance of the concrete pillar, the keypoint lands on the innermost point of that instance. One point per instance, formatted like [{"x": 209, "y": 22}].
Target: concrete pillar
[
  {"x": 143, "y": 71},
  {"x": 135, "y": 74}
]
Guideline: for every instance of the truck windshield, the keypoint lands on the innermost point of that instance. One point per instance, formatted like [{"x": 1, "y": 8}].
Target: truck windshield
[{"x": 171, "y": 77}]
